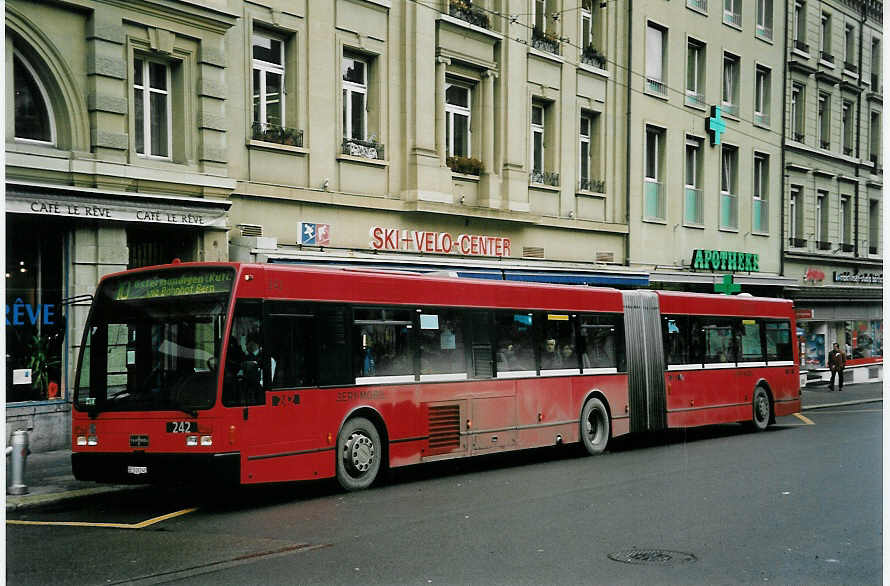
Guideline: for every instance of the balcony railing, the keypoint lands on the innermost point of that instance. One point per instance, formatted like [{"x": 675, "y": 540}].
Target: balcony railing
[
  {"x": 827, "y": 57},
  {"x": 464, "y": 10},
  {"x": 363, "y": 148},
  {"x": 823, "y": 245},
  {"x": 730, "y": 109},
  {"x": 653, "y": 199},
  {"x": 733, "y": 18},
  {"x": 825, "y": 144},
  {"x": 797, "y": 242},
  {"x": 656, "y": 87},
  {"x": 591, "y": 56},
  {"x": 594, "y": 185},
  {"x": 698, "y": 5},
  {"x": 764, "y": 32},
  {"x": 545, "y": 41},
  {"x": 761, "y": 119},
  {"x": 694, "y": 98},
  {"x": 760, "y": 216},
  {"x": 872, "y": 249},
  {"x": 544, "y": 178},
  {"x": 851, "y": 67},
  {"x": 799, "y": 136},
  {"x": 846, "y": 247},
  {"x": 729, "y": 210},
  {"x": 277, "y": 134},
  {"x": 848, "y": 151},
  {"x": 693, "y": 212},
  {"x": 801, "y": 46}
]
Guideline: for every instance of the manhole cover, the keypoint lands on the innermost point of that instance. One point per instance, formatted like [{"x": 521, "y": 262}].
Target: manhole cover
[{"x": 652, "y": 557}]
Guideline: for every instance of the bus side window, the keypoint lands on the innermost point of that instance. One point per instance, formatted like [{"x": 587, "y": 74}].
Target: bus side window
[
  {"x": 441, "y": 341},
  {"x": 332, "y": 333},
  {"x": 601, "y": 342},
  {"x": 242, "y": 378},
  {"x": 480, "y": 332},
  {"x": 291, "y": 342},
  {"x": 750, "y": 343},
  {"x": 720, "y": 339},
  {"x": 558, "y": 342},
  {"x": 515, "y": 342},
  {"x": 382, "y": 342},
  {"x": 778, "y": 341},
  {"x": 676, "y": 338}
]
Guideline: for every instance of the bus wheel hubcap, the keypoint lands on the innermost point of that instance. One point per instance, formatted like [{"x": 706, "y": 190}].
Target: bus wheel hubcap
[
  {"x": 359, "y": 453},
  {"x": 762, "y": 408}
]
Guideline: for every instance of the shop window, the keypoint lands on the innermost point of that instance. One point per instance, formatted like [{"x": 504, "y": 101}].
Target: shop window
[
  {"x": 441, "y": 340},
  {"x": 33, "y": 110},
  {"x": 382, "y": 345},
  {"x": 515, "y": 343},
  {"x": 558, "y": 350},
  {"x": 35, "y": 322},
  {"x": 814, "y": 333},
  {"x": 864, "y": 338}
]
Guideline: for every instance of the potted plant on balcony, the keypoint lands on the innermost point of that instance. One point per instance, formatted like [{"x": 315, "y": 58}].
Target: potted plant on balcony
[{"x": 465, "y": 165}]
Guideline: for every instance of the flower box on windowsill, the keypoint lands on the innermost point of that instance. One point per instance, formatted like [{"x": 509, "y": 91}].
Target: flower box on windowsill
[
  {"x": 363, "y": 148},
  {"x": 464, "y": 165},
  {"x": 591, "y": 56},
  {"x": 464, "y": 10},
  {"x": 545, "y": 41},
  {"x": 823, "y": 245},
  {"x": 797, "y": 242},
  {"x": 544, "y": 178},
  {"x": 592, "y": 185},
  {"x": 277, "y": 134}
]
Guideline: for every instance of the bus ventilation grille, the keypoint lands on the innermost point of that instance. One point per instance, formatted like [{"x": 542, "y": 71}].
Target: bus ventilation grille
[{"x": 444, "y": 428}]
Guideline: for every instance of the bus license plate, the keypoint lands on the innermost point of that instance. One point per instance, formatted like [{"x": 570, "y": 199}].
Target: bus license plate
[
  {"x": 137, "y": 469},
  {"x": 181, "y": 427}
]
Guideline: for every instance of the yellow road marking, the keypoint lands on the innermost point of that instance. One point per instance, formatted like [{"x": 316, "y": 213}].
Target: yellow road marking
[
  {"x": 141, "y": 525},
  {"x": 804, "y": 419}
]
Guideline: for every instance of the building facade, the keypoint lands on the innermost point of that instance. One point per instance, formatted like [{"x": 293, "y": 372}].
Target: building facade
[
  {"x": 832, "y": 239},
  {"x": 705, "y": 149}
]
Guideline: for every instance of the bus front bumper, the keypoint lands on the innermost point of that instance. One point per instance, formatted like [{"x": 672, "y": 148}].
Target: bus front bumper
[{"x": 147, "y": 468}]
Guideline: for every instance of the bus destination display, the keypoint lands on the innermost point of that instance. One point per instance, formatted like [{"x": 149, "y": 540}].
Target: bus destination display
[{"x": 171, "y": 284}]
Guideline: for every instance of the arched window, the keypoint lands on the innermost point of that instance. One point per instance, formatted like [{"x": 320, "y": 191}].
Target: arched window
[{"x": 33, "y": 112}]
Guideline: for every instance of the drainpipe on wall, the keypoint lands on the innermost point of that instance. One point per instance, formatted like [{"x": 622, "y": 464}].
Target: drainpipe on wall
[
  {"x": 782, "y": 170},
  {"x": 630, "y": 10}
]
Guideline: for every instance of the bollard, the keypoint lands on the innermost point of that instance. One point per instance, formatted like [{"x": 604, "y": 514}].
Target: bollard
[{"x": 19, "y": 458}]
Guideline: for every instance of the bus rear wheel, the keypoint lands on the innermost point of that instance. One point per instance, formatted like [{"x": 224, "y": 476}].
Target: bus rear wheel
[
  {"x": 595, "y": 427},
  {"x": 762, "y": 409},
  {"x": 358, "y": 454}
]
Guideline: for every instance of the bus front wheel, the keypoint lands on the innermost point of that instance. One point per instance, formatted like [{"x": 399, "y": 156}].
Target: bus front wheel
[
  {"x": 358, "y": 454},
  {"x": 595, "y": 427},
  {"x": 762, "y": 410}
]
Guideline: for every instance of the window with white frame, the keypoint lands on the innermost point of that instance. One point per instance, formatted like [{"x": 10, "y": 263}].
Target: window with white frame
[
  {"x": 823, "y": 120},
  {"x": 875, "y": 64},
  {"x": 729, "y": 177},
  {"x": 586, "y": 23},
  {"x": 760, "y": 209},
  {"x": 268, "y": 80},
  {"x": 653, "y": 183},
  {"x": 656, "y": 81},
  {"x": 457, "y": 120},
  {"x": 152, "y": 108},
  {"x": 795, "y": 216},
  {"x": 33, "y": 111},
  {"x": 355, "y": 97},
  {"x": 732, "y": 12},
  {"x": 537, "y": 130},
  {"x": 825, "y": 38},
  {"x": 799, "y": 25},
  {"x": 764, "y": 24},
  {"x": 761, "y": 95},
  {"x": 822, "y": 220},
  {"x": 845, "y": 219},
  {"x": 874, "y": 225},
  {"x": 731, "y": 84},
  {"x": 797, "y": 111},
  {"x": 693, "y": 212},
  {"x": 695, "y": 73},
  {"x": 847, "y": 127},
  {"x": 584, "y": 132},
  {"x": 850, "y": 47},
  {"x": 875, "y": 137},
  {"x": 539, "y": 15}
]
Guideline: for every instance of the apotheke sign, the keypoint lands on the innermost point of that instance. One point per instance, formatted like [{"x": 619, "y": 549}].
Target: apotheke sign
[
  {"x": 725, "y": 260},
  {"x": 422, "y": 241}
]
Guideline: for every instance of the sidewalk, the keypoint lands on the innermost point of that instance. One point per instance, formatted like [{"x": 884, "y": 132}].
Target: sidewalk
[{"x": 49, "y": 480}]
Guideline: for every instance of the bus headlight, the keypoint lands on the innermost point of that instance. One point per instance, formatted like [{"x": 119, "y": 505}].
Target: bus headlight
[
  {"x": 191, "y": 440},
  {"x": 81, "y": 440},
  {"x": 92, "y": 440},
  {"x": 206, "y": 440}
]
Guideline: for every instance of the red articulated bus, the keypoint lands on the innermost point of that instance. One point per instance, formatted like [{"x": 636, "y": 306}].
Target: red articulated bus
[{"x": 268, "y": 373}]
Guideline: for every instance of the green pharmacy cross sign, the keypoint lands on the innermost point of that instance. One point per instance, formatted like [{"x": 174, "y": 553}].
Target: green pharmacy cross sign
[
  {"x": 727, "y": 287},
  {"x": 715, "y": 125}
]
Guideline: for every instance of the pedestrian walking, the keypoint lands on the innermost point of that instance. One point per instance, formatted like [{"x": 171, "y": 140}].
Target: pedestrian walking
[{"x": 837, "y": 360}]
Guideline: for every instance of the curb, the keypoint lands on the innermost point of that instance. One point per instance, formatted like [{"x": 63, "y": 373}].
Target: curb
[
  {"x": 19, "y": 503},
  {"x": 843, "y": 403}
]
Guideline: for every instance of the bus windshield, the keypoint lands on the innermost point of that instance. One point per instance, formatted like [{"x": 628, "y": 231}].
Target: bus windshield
[{"x": 153, "y": 342}]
